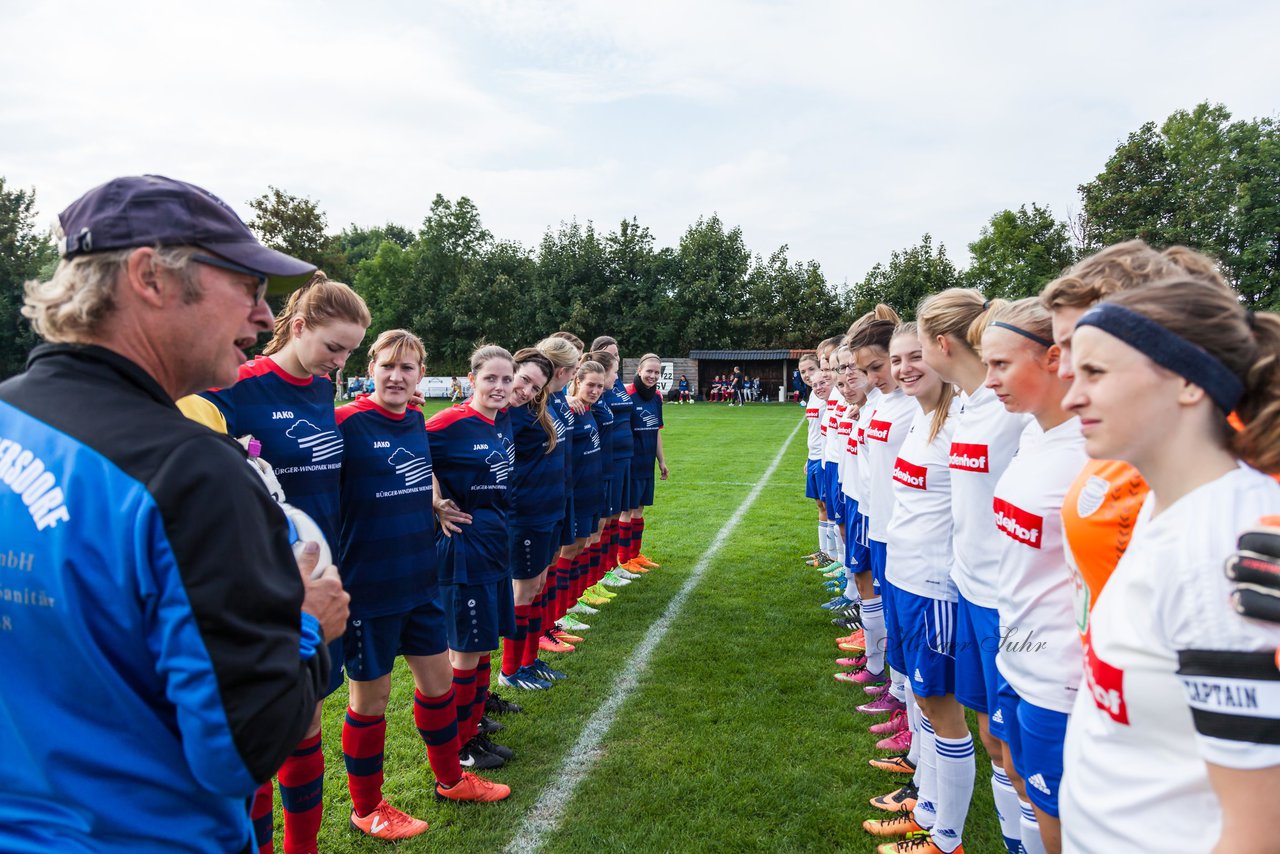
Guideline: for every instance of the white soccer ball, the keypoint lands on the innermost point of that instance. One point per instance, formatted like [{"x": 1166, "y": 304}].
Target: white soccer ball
[{"x": 303, "y": 529}]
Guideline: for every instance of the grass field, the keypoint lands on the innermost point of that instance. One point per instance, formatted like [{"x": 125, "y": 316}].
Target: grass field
[{"x": 734, "y": 738}]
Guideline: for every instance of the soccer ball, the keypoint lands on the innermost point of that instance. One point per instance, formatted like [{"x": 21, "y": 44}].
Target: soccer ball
[{"x": 303, "y": 529}]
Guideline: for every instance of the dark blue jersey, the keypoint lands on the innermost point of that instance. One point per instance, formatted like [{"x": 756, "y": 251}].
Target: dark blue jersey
[
  {"x": 538, "y": 482},
  {"x": 587, "y": 460},
  {"x": 646, "y": 421},
  {"x": 559, "y": 401},
  {"x": 620, "y": 402},
  {"x": 294, "y": 421},
  {"x": 386, "y": 544},
  {"x": 604, "y": 421},
  {"x": 473, "y": 459}
]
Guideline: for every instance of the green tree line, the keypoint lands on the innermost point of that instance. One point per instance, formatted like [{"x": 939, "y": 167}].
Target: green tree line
[{"x": 1200, "y": 179}]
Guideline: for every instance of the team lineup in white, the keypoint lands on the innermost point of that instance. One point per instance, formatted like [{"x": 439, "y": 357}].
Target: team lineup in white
[{"x": 1024, "y": 510}]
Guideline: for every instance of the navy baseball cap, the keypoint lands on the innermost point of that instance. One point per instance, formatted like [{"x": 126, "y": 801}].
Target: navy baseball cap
[{"x": 151, "y": 210}]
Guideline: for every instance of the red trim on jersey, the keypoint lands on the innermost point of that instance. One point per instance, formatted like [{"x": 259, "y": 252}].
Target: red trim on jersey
[
  {"x": 365, "y": 403},
  {"x": 631, "y": 389},
  {"x": 452, "y": 415},
  {"x": 263, "y": 365}
]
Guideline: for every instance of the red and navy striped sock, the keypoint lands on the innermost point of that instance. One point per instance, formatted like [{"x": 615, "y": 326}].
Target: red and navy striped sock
[
  {"x": 363, "y": 739},
  {"x": 301, "y": 780},
  {"x": 437, "y": 723},
  {"x": 483, "y": 675},
  {"x": 260, "y": 815},
  {"x": 535, "y": 628},
  {"x": 513, "y": 647},
  {"x": 598, "y": 567},
  {"x": 464, "y": 697},
  {"x": 564, "y": 570},
  {"x": 624, "y": 542},
  {"x": 637, "y": 535}
]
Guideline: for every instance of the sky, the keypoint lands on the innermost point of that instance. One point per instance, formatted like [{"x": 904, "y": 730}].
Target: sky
[{"x": 844, "y": 130}]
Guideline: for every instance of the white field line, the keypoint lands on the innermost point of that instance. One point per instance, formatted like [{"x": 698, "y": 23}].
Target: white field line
[{"x": 544, "y": 816}]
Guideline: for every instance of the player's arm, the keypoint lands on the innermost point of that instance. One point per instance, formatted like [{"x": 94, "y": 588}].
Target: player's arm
[
  {"x": 662, "y": 458},
  {"x": 224, "y": 596},
  {"x": 1248, "y": 807}
]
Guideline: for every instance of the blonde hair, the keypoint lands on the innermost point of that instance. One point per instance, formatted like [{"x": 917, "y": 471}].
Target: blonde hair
[
  {"x": 588, "y": 366},
  {"x": 399, "y": 342},
  {"x": 487, "y": 352},
  {"x": 571, "y": 338},
  {"x": 874, "y": 329},
  {"x": 1122, "y": 267},
  {"x": 1029, "y": 315},
  {"x": 951, "y": 313},
  {"x": 81, "y": 295},
  {"x": 943, "y": 409},
  {"x": 606, "y": 359},
  {"x": 560, "y": 351},
  {"x": 319, "y": 302}
]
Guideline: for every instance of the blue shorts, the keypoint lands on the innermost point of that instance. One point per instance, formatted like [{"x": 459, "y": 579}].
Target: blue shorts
[
  {"x": 566, "y": 524},
  {"x": 977, "y": 639},
  {"x": 337, "y": 654},
  {"x": 607, "y": 497},
  {"x": 928, "y": 638},
  {"x": 851, "y": 518},
  {"x": 1035, "y": 737},
  {"x": 641, "y": 491},
  {"x": 878, "y": 553},
  {"x": 811, "y": 471},
  {"x": 584, "y": 525},
  {"x": 620, "y": 486},
  {"x": 832, "y": 494},
  {"x": 532, "y": 551},
  {"x": 858, "y": 549},
  {"x": 372, "y": 644},
  {"x": 476, "y": 614}
]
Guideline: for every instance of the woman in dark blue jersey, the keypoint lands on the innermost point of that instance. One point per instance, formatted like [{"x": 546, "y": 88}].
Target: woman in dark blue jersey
[
  {"x": 537, "y": 512},
  {"x": 472, "y": 454},
  {"x": 617, "y": 532},
  {"x": 594, "y": 557},
  {"x": 646, "y": 426},
  {"x": 284, "y": 399},
  {"x": 395, "y": 593}
]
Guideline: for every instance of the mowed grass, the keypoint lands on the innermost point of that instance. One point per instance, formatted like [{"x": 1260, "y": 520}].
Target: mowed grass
[{"x": 736, "y": 739}]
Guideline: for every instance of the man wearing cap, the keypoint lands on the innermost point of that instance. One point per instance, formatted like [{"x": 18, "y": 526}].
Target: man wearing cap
[{"x": 154, "y": 661}]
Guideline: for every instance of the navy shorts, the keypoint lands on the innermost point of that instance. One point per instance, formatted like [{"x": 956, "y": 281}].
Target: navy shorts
[
  {"x": 476, "y": 614},
  {"x": 372, "y": 644},
  {"x": 336, "y": 656},
  {"x": 1035, "y": 736},
  {"x": 977, "y": 639},
  {"x": 641, "y": 491},
  {"x": 532, "y": 551},
  {"x": 607, "y": 497},
  {"x": 584, "y": 525},
  {"x": 811, "y": 471},
  {"x": 928, "y": 638},
  {"x": 832, "y": 494},
  {"x": 620, "y": 486},
  {"x": 566, "y": 525}
]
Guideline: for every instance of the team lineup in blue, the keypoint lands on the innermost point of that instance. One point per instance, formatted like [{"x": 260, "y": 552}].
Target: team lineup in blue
[{"x": 200, "y": 547}]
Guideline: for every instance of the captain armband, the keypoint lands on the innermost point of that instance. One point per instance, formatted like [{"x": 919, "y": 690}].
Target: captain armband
[{"x": 1234, "y": 696}]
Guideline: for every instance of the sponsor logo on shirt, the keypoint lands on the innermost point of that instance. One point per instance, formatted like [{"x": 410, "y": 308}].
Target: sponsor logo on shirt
[
  {"x": 499, "y": 465},
  {"x": 909, "y": 474},
  {"x": 853, "y": 445},
  {"x": 1026, "y": 528},
  {"x": 968, "y": 457},
  {"x": 811, "y": 414},
  {"x": 1106, "y": 684},
  {"x": 25, "y": 473},
  {"x": 412, "y": 468},
  {"x": 1091, "y": 496},
  {"x": 322, "y": 444},
  {"x": 879, "y": 430},
  {"x": 649, "y": 417},
  {"x": 845, "y": 428}
]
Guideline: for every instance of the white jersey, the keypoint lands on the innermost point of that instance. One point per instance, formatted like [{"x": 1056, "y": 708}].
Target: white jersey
[
  {"x": 860, "y": 435},
  {"x": 849, "y": 452},
  {"x": 813, "y": 412},
  {"x": 919, "y": 535},
  {"x": 985, "y": 440},
  {"x": 885, "y": 432},
  {"x": 1173, "y": 679},
  {"x": 1039, "y": 647},
  {"x": 831, "y": 448}
]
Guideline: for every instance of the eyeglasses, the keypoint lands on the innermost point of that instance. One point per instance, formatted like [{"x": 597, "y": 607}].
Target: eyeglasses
[{"x": 222, "y": 264}]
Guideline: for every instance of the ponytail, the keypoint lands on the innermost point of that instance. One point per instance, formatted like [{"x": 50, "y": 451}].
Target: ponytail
[{"x": 319, "y": 302}]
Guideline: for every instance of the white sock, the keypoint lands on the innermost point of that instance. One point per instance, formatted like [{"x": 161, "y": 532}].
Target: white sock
[
  {"x": 851, "y": 588},
  {"x": 1006, "y": 800},
  {"x": 822, "y": 536},
  {"x": 955, "y": 788},
  {"x": 833, "y": 541},
  {"x": 1031, "y": 841},
  {"x": 926, "y": 776},
  {"x": 898, "y": 686},
  {"x": 913, "y": 724},
  {"x": 873, "y": 632}
]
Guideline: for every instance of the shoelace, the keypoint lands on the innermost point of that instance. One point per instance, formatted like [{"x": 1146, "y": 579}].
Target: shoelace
[{"x": 914, "y": 841}]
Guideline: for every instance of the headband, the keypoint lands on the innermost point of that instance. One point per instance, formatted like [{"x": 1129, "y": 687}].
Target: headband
[
  {"x": 1168, "y": 350},
  {"x": 1043, "y": 342}
]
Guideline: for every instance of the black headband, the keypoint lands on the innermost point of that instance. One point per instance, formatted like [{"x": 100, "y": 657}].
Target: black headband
[
  {"x": 1169, "y": 351},
  {"x": 1044, "y": 342}
]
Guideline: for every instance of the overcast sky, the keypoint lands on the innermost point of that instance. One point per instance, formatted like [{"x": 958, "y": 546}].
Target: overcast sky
[{"x": 844, "y": 129}]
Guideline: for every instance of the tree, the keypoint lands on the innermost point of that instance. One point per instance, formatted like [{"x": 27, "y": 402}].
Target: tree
[
  {"x": 24, "y": 255},
  {"x": 789, "y": 304},
  {"x": 1199, "y": 180},
  {"x": 296, "y": 226},
  {"x": 1018, "y": 253},
  {"x": 911, "y": 275},
  {"x": 710, "y": 291}
]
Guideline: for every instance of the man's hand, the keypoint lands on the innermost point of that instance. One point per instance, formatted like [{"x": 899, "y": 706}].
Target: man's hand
[
  {"x": 1255, "y": 569},
  {"x": 325, "y": 599},
  {"x": 450, "y": 516}
]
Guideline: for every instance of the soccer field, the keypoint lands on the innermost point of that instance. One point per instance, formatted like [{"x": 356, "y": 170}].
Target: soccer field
[{"x": 730, "y": 735}]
